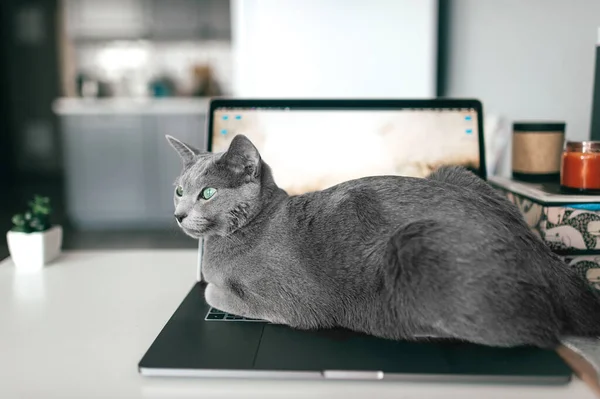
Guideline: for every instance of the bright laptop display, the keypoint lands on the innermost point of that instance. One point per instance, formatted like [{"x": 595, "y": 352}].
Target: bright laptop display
[{"x": 312, "y": 145}]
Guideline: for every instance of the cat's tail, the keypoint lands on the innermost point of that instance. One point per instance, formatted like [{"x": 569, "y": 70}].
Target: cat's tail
[{"x": 577, "y": 302}]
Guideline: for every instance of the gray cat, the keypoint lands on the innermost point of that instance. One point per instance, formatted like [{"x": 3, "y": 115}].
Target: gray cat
[{"x": 395, "y": 257}]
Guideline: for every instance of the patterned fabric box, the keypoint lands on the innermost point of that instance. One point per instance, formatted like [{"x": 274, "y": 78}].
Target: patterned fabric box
[
  {"x": 569, "y": 224},
  {"x": 588, "y": 266}
]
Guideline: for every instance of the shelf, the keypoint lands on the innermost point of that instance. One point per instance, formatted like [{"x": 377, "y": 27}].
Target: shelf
[{"x": 93, "y": 106}]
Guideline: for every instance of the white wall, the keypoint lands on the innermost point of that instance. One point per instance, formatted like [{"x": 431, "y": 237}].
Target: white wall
[
  {"x": 526, "y": 59},
  {"x": 334, "y": 48}
]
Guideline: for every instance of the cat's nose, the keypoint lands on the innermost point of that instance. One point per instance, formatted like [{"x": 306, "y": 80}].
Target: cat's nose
[{"x": 180, "y": 217}]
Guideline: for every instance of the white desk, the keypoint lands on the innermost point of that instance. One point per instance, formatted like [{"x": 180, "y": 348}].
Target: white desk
[{"x": 79, "y": 328}]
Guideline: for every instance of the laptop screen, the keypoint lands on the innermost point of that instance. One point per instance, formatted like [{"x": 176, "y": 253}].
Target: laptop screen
[{"x": 311, "y": 148}]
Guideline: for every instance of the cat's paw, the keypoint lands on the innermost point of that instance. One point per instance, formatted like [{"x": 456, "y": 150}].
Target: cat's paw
[
  {"x": 217, "y": 298},
  {"x": 229, "y": 302}
]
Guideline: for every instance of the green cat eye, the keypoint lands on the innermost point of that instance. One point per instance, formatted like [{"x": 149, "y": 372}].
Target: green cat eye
[
  {"x": 179, "y": 191},
  {"x": 208, "y": 192}
]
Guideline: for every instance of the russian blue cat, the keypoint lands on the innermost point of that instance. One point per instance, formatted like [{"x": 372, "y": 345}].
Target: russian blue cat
[{"x": 391, "y": 256}]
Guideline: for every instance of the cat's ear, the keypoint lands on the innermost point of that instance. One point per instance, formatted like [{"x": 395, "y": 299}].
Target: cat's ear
[
  {"x": 242, "y": 156},
  {"x": 185, "y": 151}
]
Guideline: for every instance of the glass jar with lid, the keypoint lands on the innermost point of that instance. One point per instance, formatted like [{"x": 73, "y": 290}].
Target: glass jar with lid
[{"x": 580, "y": 167}]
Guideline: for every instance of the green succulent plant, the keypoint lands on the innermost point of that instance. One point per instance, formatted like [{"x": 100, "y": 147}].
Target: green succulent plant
[{"x": 36, "y": 218}]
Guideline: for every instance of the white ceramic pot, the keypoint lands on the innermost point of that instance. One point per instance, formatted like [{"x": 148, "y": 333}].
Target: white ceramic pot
[{"x": 31, "y": 251}]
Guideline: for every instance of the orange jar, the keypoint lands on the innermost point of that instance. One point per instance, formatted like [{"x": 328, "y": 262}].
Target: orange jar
[{"x": 580, "y": 167}]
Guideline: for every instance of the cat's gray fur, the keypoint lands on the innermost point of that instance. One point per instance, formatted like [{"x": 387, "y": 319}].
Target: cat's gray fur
[{"x": 390, "y": 256}]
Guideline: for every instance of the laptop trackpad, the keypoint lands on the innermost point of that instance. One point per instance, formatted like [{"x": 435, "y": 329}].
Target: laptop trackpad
[
  {"x": 188, "y": 342},
  {"x": 283, "y": 348}
]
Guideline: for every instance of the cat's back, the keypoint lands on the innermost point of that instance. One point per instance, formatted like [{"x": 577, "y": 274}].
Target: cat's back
[
  {"x": 347, "y": 227},
  {"x": 384, "y": 203},
  {"x": 391, "y": 196}
]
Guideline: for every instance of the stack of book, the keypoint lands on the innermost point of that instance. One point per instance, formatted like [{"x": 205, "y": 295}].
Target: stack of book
[{"x": 568, "y": 224}]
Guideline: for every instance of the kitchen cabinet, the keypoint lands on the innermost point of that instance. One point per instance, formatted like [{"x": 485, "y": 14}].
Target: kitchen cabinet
[
  {"x": 106, "y": 19},
  {"x": 119, "y": 167},
  {"x": 104, "y": 169},
  {"x": 220, "y": 19},
  {"x": 184, "y": 19},
  {"x": 148, "y": 19},
  {"x": 178, "y": 19}
]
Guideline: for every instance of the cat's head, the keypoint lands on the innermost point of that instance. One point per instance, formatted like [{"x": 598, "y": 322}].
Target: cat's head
[{"x": 218, "y": 193}]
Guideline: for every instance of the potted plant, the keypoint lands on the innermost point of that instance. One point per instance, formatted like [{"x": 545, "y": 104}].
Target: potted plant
[{"x": 33, "y": 241}]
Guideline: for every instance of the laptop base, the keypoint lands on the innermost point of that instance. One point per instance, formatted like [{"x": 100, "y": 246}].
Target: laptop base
[{"x": 191, "y": 346}]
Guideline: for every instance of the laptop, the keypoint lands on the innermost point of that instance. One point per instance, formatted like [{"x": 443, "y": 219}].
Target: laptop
[{"x": 343, "y": 139}]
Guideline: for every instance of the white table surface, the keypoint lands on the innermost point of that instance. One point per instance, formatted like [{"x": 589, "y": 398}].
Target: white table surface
[{"x": 78, "y": 328}]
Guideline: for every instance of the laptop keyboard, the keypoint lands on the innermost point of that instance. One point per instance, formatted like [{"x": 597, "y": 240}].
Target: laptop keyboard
[{"x": 218, "y": 315}]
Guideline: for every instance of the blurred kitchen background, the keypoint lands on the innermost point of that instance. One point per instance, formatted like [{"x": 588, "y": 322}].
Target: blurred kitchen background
[{"x": 89, "y": 88}]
